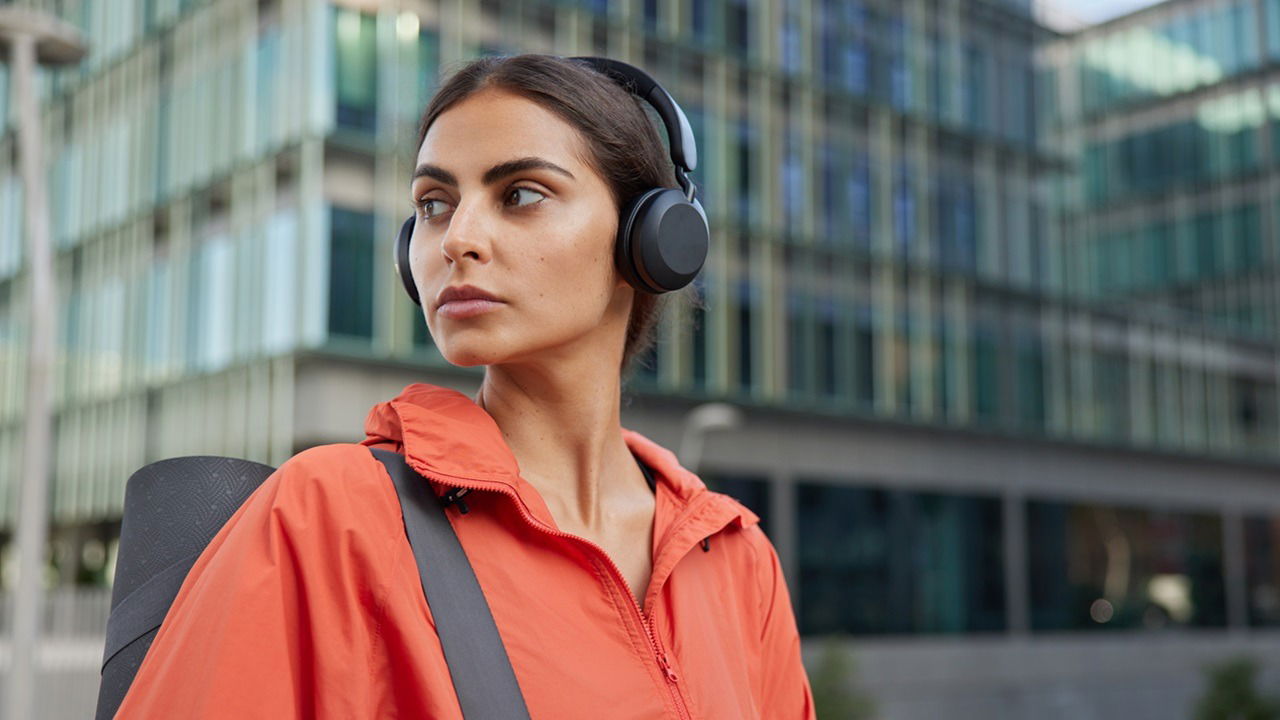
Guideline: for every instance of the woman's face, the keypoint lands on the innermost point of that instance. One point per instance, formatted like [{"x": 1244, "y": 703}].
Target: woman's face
[{"x": 538, "y": 238}]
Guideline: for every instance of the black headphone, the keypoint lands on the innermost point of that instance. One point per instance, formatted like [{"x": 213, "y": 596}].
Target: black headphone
[{"x": 663, "y": 235}]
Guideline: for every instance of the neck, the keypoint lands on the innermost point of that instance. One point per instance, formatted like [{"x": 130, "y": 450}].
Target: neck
[{"x": 561, "y": 421}]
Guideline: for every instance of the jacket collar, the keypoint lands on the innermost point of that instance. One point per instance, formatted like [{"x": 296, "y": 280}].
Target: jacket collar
[{"x": 445, "y": 435}]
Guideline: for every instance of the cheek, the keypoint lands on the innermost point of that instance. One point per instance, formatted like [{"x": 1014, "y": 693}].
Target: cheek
[
  {"x": 430, "y": 270},
  {"x": 421, "y": 259},
  {"x": 579, "y": 279}
]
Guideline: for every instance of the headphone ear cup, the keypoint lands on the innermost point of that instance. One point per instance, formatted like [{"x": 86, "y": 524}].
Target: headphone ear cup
[
  {"x": 402, "y": 259},
  {"x": 662, "y": 241},
  {"x": 624, "y": 255}
]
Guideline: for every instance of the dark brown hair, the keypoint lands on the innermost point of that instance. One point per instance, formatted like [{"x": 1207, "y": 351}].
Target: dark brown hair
[{"x": 623, "y": 144}]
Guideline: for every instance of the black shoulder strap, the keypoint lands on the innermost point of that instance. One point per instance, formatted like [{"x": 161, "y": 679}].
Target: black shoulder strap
[{"x": 478, "y": 663}]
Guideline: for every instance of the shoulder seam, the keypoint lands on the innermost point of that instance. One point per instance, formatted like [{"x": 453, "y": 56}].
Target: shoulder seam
[{"x": 761, "y": 562}]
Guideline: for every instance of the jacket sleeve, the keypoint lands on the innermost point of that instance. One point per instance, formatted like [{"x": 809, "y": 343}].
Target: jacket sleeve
[
  {"x": 278, "y": 618},
  {"x": 785, "y": 692}
]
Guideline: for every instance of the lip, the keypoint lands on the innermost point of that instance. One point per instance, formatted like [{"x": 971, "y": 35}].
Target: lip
[
  {"x": 458, "y": 309},
  {"x": 463, "y": 301},
  {"x": 464, "y": 292}
]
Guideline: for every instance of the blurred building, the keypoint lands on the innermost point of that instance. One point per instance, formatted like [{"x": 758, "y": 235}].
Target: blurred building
[
  {"x": 1173, "y": 117},
  {"x": 1019, "y": 498}
]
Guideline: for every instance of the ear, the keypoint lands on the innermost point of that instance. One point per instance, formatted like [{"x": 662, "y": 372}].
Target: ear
[{"x": 619, "y": 280}]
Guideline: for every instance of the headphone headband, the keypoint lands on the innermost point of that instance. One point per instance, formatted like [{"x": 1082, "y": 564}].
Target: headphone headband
[{"x": 684, "y": 151}]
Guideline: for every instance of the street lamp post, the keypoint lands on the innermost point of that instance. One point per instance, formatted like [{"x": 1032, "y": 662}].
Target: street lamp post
[
  {"x": 701, "y": 420},
  {"x": 32, "y": 37}
]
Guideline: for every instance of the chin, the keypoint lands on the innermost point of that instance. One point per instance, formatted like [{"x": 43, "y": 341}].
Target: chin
[
  {"x": 474, "y": 346},
  {"x": 465, "y": 349},
  {"x": 469, "y": 358}
]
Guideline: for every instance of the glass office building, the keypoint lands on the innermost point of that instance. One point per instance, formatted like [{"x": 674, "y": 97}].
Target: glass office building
[
  {"x": 951, "y": 434},
  {"x": 1173, "y": 116}
]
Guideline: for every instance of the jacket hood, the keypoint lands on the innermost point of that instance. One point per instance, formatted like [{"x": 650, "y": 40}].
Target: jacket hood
[{"x": 445, "y": 435}]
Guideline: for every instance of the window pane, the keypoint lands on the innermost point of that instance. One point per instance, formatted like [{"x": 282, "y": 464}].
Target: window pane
[
  {"x": 1273, "y": 27},
  {"x": 864, "y": 356},
  {"x": 1096, "y": 566},
  {"x": 738, "y": 26},
  {"x": 746, "y": 141},
  {"x": 701, "y": 18},
  {"x": 1111, "y": 388},
  {"x": 858, "y": 197},
  {"x": 791, "y": 177},
  {"x": 747, "y": 303},
  {"x": 800, "y": 355},
  {"x": 1262, "y": 552},
  {"x": 351, "y": 274},
  {"x": 904, "y": 210},
  {"x": 827, "y": 347},
  {"x": 356, "y": 70},
  {"x": 158, "y": 316},
  {"x": 280, "y": 320},
  {"x": 209, "y": 334},
  {"x": 986, "y": 373},
  {"x": 428, "y": 66},
  {"x": 875, "y": 561},
  {"x": 1030, "y": 369},
  {"x": 976, "y": 87}
]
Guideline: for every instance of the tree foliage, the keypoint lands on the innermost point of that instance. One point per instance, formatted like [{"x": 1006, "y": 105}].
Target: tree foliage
[
  {"x": 836, "y": 694},
  {"x": 1230, "y": 693}
]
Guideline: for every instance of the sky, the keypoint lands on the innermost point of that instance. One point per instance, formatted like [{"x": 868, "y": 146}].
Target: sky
[{"x": 1072, "y": 14}]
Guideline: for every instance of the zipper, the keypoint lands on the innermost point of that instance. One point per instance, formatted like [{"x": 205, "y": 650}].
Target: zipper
[{"x": 646, "y": 620}]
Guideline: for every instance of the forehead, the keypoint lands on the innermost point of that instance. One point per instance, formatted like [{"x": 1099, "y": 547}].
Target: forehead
[{"x": 493, "y": 125}]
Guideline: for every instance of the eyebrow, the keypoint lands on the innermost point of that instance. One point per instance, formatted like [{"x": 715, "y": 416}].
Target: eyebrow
[{"x": 493, "y": 174}]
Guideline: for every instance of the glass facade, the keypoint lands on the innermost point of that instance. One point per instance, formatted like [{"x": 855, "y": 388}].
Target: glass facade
[
  {"x": 1219, "y": 141},
  {"x": 876, "y": 560},
  {"x": 1191, "y": 45},
  {"x": 1169, "y": 210},
  {"x": 899, "y": 226},
  {"x": 1174, "y": 115},
  {"x": 1095, "y": 566}
]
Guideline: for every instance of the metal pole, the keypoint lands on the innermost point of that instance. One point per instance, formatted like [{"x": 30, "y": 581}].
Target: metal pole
[
  {"x": 33, "y": 37},
  {"x": 33, "y": 517},
  {"x": 701, "y": 420}
]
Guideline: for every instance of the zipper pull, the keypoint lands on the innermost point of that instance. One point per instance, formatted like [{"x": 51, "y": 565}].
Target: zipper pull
[
  {"x": 455, "y": 496},
  {"x": 666, "y": 667}
]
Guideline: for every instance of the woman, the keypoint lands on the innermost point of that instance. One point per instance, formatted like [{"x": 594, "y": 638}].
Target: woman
[{"x": 621, "y": 587}]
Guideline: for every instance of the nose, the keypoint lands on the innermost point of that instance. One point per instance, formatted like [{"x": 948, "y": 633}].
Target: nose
[{"x": 467, "y": 234}]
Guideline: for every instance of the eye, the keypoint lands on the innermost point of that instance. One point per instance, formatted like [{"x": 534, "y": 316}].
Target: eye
[
  {"x": 518, "y": 189},
  {"x": 425, "y": 205}
]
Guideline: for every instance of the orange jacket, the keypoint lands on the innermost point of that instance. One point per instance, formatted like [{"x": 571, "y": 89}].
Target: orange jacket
[{"x": 308, "y": 602}]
